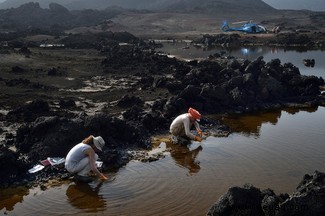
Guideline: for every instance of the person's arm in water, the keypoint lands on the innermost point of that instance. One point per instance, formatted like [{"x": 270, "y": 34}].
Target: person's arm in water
[{"x": 92, "y": 162}]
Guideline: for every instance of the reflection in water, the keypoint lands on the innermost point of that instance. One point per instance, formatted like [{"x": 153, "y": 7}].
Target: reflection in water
[
  {"x": 251, "y": 124},
  {"x": 83, "y": 196},
  {"x": 9, "y": 197},
  {"x": 185, "y": 157},
  {"x": 248, "y": 124},
  {"x": 249, "y": 52},
  {"x": 293, "y": 111}
]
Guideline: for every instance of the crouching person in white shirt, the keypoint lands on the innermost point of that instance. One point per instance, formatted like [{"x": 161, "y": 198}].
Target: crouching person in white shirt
[
  {"x": 81, "y": 159},
  {"x": 180, "y": 128}
]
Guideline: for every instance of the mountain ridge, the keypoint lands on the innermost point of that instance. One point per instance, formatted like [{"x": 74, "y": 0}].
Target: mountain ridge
[
  {"x": 153, "y": 5},
  {"x": 165, "y": 17},
  {"x": 31, "y": 15}
]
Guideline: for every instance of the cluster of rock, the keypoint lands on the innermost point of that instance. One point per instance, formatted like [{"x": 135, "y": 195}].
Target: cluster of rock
[
  {"x": 47, "y": 134},
  {"x": 309, "y": 62},
  {"x": 219, "y": 84},
  {"x": 308, "y": 199},
  {"x": 284, "y": 39}
]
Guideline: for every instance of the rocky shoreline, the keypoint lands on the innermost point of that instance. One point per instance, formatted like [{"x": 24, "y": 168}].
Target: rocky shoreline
[
  {"x": 138, "y": 94},
  {"x": 308, "y": 199},
  {"x": 290, "y": 39}
]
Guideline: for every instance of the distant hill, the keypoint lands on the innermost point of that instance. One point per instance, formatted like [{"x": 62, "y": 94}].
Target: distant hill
[
  {"x": 76, "y": 13},
  {"x": 31, "y": 16},
  {"x": 220, "y": 6},
  {"x": 182, "y": 6},
  {"x": 158, "y": 5},
  {"x": 43, "y": 3}
]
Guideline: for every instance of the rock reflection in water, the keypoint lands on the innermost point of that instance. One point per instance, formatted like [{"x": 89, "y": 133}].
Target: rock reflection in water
[
  {"x": 251, "y": 124},
  {"x": 83, "y": 196},
  {"x": 293, "y": 111},
  {"x": 11, "y": 196}
]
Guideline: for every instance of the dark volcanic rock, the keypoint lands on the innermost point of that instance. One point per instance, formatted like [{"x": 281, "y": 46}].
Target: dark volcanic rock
[
  {"x": 15, "y": 82},
  {"x": 67, "y": 103},
  {"x": 294, "y": 39},
  {"x": 55, "y": 136},
  {"x": 235, "y": 40},
  {"x": 10, "y": 165},
  {"x": 309, "y": 62},
  {"x": 309, "y": 199},
  {"x": 25, "y": 51},
  {"x": 239, "y": 201},
  {"x": 129, "y": 101},
  {"x": 55, "y": 72},
  {"x": 17, "y": 69},
  {"x": 30, "y": 111},
  {"x": 220, "y": 39}
]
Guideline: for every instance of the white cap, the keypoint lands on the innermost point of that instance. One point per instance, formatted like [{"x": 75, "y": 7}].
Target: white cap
[{"x": 99, "y": 142}]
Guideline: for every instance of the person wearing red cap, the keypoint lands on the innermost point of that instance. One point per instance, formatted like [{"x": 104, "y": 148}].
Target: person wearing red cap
[{"x": 181, "y": 126}]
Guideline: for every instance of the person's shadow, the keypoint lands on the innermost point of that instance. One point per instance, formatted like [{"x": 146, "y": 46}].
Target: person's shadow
[{"x": 85, "y": 197}]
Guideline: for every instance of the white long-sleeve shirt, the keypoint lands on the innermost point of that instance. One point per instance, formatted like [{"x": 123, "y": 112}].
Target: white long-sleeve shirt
[
  {"x": 181, "y": 126},
  {"x": 75, "y": 155}
]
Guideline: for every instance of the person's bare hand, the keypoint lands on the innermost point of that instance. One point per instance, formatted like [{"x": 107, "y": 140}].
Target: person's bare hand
[{"x": 103, "y": 177}]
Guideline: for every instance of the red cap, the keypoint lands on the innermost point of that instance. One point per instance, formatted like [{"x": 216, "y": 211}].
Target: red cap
[{"x": 194, "y": 113}]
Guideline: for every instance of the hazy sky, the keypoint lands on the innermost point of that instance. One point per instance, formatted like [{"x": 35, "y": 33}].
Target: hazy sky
[{"x": 316, "y": 5}]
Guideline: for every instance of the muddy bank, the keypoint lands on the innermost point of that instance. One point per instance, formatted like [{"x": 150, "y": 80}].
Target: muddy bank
[
  {"x": 125, "y": 92},
  {"x": 308, "y": 199}
]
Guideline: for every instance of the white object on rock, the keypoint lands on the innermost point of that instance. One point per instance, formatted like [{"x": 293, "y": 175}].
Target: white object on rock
[
  {"x": 55, "y": 160},
  {"x": 36, "y": 168}
]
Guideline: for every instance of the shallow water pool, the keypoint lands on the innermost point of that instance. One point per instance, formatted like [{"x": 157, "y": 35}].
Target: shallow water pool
[
  {"x": 293, "y": 55},
  {"x": 269, "y": 150}
]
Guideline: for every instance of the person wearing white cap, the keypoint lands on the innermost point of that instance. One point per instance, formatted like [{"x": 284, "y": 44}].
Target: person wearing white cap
[
  {"x": 181, "y": 126},
  {"x": 81, "y": 159}
]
